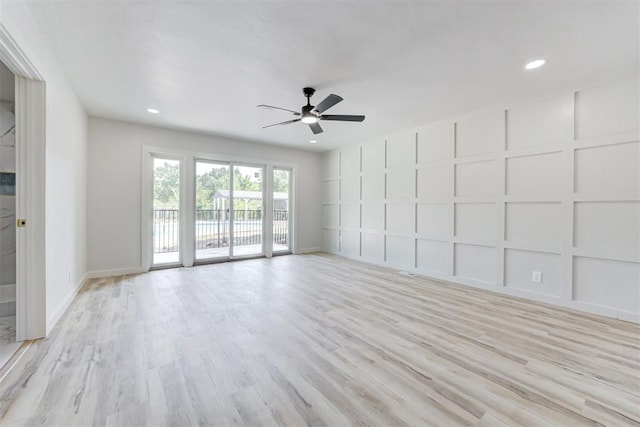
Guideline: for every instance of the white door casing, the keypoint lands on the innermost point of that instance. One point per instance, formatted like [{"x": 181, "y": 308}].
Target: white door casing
[{"x": 30, "y": 189}]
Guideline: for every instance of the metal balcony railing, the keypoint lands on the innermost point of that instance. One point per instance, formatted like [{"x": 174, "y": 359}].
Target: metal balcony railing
[
  {"x": 213, "y": 228},
  {"x": 166, "y": 235}
]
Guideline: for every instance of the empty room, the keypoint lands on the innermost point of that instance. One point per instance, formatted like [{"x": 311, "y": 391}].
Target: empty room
[{"x": 327, "y": 213}]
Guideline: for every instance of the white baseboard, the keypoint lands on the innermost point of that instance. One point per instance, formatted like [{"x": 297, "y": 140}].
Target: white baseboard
[
  {"x": 62, "y": 308},
  {"x": 531, "y": 296},
  {"x": 629, "y": 317},
  {"x": 307, "y": 250},
  {"x": 115, "y": 272}
]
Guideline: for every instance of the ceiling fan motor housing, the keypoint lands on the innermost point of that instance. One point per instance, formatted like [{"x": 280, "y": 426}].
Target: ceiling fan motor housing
[{"x": 311, "y": 114}]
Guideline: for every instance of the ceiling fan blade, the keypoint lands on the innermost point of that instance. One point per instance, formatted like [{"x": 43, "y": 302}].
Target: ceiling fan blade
[
  {"x": 271, "y": 107},
  {"x": 315, "y": 128},
  {"x": 327, "y": 103},
  {"x": 281, "y": 123},
  {"x": 342, "y": 118}
]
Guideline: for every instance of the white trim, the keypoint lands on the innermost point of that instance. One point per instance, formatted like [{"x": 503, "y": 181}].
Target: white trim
[
  {"x": 565, "y": 195},
  {"x": 629, "y": 317},
  {"x": 293, "y": 221},
  {"x": 99, "y": 274},
  {"x": 267, "y": 218},
  {"x": 146, "y": 234},
  {"x": 509, "y": 291},
  {"x": 187, "y": 206},
  {"x": 30, "y": 189},
  {"x": 30, "y": 204},
  {"x": 263, "y": 167},
  {"x": 232, "y": 216},
  {"x": 62, "y": 308},
  {"x": 148, "y": 158},
  {"x": 13, "y": 57},
  {"x": 308, "y": 251}
]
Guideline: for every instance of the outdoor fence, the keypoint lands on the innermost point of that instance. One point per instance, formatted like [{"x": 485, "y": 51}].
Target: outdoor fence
[
  {"x": 165, "y": 230},
  {"x": 281, "y": 227},
  {"x": 213, "y": 228}
]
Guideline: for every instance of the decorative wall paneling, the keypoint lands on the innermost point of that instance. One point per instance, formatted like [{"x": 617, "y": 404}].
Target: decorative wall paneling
[{"x": 491, "y": 197}]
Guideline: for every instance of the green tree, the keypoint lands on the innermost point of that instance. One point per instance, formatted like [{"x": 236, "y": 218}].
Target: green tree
[
  {"x": 166, "y": 184},
  {"x": 280, "y": 181},
  {"x": 218, "y": 179},
  {"x": 208, "y": 183}
]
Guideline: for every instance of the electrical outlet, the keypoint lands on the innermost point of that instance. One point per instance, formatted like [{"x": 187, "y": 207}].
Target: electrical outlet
[{"x": 536, "y": 276}]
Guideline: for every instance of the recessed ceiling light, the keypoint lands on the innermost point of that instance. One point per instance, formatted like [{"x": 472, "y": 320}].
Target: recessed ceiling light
[
  {"x": 313, "y": 141},
  {"x": 535, "y": 64},
  {"x": 153, "y": 110}
]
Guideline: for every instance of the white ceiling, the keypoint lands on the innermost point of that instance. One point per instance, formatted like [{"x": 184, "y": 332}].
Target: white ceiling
[{"x": 207, "y": 64}]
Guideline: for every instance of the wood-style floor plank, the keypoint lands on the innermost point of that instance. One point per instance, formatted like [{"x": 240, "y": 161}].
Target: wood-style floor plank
[{"x": 322, "y": 341}]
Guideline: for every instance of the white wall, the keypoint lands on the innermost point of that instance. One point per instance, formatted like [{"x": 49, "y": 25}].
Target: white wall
[
  {"x": 114, "y": 179},
  {"x": 488, "y": 198},
  {"x": 66, "y": 159}
]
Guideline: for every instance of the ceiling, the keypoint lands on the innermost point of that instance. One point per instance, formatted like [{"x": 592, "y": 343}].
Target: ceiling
[{"x": 207, "y": 64}]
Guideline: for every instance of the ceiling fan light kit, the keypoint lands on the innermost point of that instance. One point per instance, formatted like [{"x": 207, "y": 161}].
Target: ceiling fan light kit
[{"x": 310, "y": 114}]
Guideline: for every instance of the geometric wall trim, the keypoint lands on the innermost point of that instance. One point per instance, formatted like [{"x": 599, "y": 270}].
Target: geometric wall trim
[{"x": 490, "y": 198}]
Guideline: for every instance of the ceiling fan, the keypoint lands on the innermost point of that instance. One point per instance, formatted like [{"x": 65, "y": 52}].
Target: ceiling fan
[{"x": 311, "y": 114}]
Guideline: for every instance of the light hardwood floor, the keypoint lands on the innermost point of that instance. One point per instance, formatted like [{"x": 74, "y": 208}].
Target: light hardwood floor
[
  {"x": 8, "y": 344},
  {"x": 320, "y": 340}
]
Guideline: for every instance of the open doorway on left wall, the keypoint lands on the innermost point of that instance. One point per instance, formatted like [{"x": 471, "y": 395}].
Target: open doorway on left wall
[{"x": 8, "y": 344}]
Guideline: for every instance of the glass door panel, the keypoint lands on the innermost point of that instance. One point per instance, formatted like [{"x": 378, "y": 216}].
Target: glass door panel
[
  {"x": 281, "y": 227},
  {"x": 212, "y": 213},
  {"x": 247, "y": 209},
  {"x": 166, "y": 211}
]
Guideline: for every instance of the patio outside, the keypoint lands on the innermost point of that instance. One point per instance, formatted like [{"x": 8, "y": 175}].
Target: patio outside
[{"x": 215, "y": 230}]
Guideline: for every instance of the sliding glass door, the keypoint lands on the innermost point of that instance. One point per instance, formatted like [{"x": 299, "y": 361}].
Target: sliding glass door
[
  {"x": 281, "y": 211},
  {"x": 166, "y": 212},
  {"x": 208, "y": 210},
  {"x": 247, "y": 206},
  {"x": 229, "y": 206},
  {"x": 212, "y": 211}
]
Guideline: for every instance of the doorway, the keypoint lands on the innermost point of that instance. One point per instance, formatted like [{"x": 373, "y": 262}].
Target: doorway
[
  {"x": 212, "y": 225},
  {"x": 8, "y": 273},
  {"x": 247, "y": 207},
  {"x": 281, "y": 211},
  {"x": 30, "y": 134},
  {"x": 166, "y": 211},
  {"x": 229, "y": 211},
  {"x": 205, "y": 209}
]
